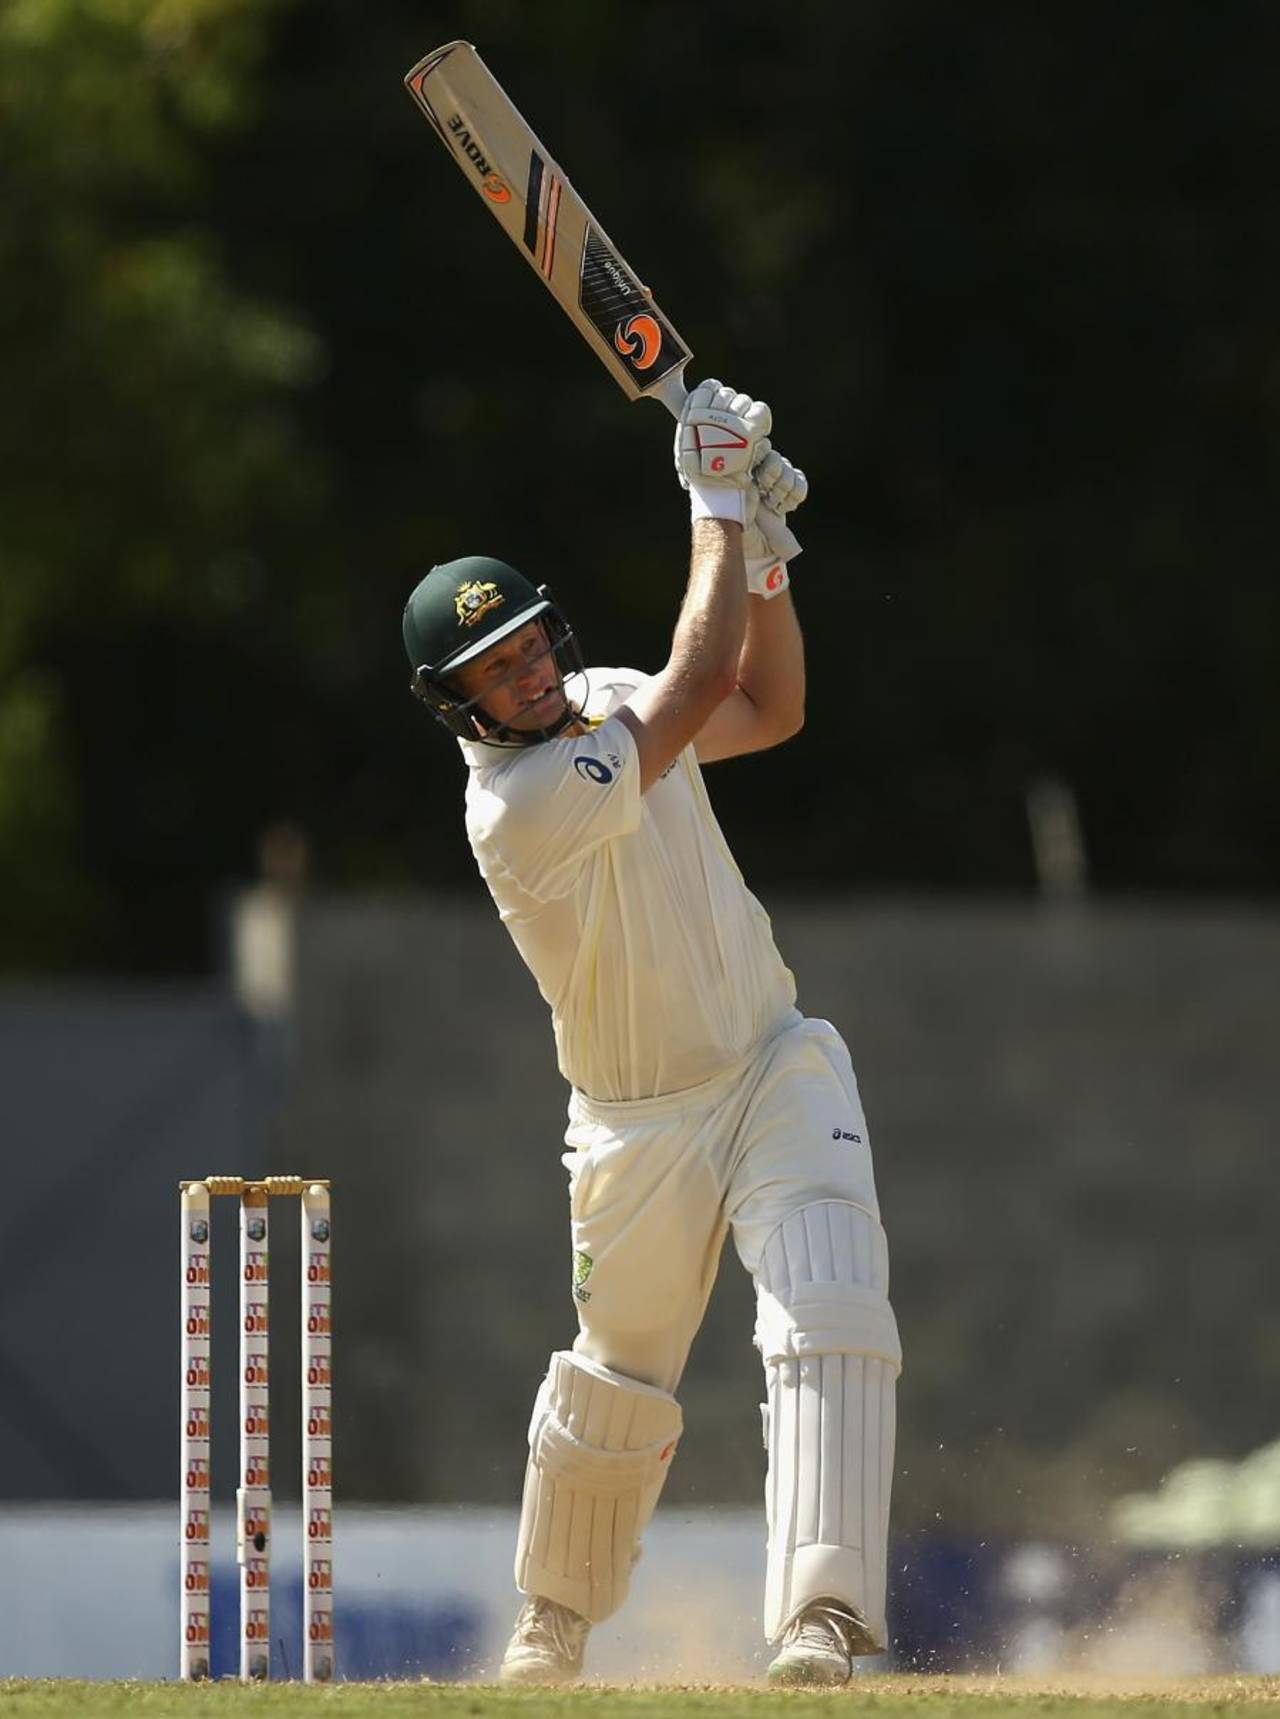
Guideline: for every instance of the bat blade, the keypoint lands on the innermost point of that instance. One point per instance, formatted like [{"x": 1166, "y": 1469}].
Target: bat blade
[{"x": 531, "y": 198}]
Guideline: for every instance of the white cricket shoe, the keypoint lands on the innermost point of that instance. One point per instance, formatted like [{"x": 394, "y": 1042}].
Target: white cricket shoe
[
  {"x": 819, "y": 1645},
  {"x": 546, "y": 1645}
]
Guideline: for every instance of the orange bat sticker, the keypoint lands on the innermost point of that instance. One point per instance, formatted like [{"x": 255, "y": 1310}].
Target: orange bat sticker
[{"x": 642, "y": 333}]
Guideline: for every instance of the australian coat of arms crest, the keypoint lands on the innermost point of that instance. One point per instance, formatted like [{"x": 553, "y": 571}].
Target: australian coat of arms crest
[{"x": 474, "y": 599}]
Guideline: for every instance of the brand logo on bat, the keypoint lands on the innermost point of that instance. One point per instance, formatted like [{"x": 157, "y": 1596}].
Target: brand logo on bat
[
  {"x": 491, "y": 181},
  {"x": 640, "y": 339},
  {"x": 475, "y": 599},
  {"x": 613, "y": 272},
  {"x": 623, "y": 314}
]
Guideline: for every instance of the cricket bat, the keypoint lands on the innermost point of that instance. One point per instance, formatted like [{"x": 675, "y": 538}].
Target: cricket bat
[{"x": 530, "y": 196}]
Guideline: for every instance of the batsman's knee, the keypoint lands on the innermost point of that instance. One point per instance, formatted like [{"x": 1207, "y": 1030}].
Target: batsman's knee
[{"x": 822, "y": 1286}]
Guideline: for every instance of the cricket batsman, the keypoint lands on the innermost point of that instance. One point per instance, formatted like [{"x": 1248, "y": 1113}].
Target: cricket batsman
[{"x": 702, "y": 1101}]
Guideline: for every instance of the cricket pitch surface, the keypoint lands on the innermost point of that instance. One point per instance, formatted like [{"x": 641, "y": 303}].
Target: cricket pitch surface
[{"x": 904, "y": 1696}]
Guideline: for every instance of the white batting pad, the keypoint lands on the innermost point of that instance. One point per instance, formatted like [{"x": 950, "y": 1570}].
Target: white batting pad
[
  {"x": 600, "y": 1446},
  {"x": 831, "y": 1351}
]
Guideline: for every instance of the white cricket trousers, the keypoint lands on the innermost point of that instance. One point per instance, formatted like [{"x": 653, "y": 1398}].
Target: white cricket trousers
[{"x": 655, "y": 1184}]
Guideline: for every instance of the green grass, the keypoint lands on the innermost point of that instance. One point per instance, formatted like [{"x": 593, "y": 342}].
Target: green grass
[{"x": 901, "y": 1697}]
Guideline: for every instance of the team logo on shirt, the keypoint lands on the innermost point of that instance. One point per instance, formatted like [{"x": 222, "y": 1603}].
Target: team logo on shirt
[
  {"x": 582, "y": 1268},
  {"x": 592, "y": 770},
  {"x": 475, "y": 599}
]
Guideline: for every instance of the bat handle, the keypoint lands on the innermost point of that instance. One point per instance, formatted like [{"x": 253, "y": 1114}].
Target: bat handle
[{"x": 673, "y": 394}]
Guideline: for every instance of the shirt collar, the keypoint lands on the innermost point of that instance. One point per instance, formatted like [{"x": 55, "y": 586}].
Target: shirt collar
[{"x": 482, "y": 756}]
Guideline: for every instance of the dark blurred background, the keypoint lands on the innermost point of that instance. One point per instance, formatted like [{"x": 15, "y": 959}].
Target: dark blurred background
[{"x": 1009, "y": 276}]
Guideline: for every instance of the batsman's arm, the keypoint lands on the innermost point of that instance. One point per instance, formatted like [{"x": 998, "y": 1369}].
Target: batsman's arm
[
  {"x": 672, "y": 708},
  {"x": 766, "y": 704}
]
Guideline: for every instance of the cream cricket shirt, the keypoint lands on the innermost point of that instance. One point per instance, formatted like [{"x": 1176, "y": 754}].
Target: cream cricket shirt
[{"x": 658, "y": 962}]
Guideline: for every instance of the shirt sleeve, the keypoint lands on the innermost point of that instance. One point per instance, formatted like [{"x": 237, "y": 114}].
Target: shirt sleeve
[{"x": 556, "y": 804}]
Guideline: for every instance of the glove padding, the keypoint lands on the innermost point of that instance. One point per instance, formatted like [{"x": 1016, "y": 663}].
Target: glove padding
[
  {"x": 719, "y": 436},
  {"x": 782, "y": 486},
  {"x": 777, "y": 488}
]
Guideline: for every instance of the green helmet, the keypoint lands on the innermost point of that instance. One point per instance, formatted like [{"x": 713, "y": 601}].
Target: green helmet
[{"x": 458, "y": 611}]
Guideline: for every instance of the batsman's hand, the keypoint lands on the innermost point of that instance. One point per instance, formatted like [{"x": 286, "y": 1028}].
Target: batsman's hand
[
  {"x": 777, "y": 488},
  {"x": 719, "y": 436},
  {"x": 782, "y": 486}
]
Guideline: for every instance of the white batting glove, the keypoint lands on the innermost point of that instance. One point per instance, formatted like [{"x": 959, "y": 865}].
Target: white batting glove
[
  {"x": 777, "y": 488},
  {"x": 782, "y": 486},
  {"x": 718, "y": 444}
]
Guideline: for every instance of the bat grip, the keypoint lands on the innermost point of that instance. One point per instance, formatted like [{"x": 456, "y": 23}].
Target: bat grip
[{"x": 672, "y": 392}]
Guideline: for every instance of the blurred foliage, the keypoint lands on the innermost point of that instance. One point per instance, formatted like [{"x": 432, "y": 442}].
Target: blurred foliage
[
  {"x": 150, "y": 461},
  {"x": 1007, "y": 275}
]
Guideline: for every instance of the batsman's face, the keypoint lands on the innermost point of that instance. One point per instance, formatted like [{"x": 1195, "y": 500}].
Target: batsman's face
[{"x": 517, "y": 680}]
